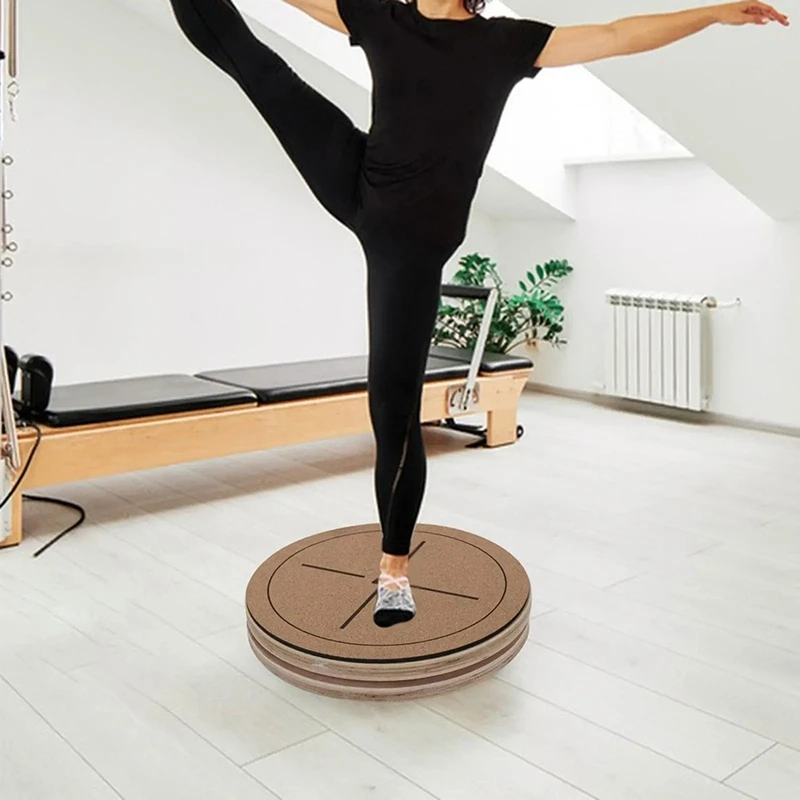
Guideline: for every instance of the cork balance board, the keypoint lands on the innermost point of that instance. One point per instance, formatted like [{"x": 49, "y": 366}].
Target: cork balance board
[{"x": 309, "y": 614}]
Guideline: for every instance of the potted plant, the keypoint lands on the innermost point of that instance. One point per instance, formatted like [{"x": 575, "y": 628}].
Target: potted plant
[{"x": 535, "y": 314}]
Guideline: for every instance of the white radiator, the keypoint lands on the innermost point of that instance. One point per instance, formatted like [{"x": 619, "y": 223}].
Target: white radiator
[{"x": 658, "y": 346}]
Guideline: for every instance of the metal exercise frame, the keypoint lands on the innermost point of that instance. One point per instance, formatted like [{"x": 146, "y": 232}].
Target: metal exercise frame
[
  {"x": 8, "y": 93},
  {"x": 465, "y": 396}
]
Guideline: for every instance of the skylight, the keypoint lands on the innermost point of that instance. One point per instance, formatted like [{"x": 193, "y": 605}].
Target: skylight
[{"x": 597, "y": 124}]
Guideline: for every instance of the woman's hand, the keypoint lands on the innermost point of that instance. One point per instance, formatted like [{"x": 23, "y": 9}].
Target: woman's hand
[{"x": 749, "y": 14}]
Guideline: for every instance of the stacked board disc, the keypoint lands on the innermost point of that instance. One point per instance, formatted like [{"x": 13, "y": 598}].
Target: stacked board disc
[{"x": 309, "y": 614}]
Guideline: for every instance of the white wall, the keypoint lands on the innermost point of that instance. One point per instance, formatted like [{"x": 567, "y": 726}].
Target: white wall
[
  {"x": 161, "y": 227},
  {"x": 675, "y": 226}
]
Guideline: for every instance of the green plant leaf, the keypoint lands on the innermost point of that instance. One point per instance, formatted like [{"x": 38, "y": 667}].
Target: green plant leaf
[{"x": 535, "y": 312}]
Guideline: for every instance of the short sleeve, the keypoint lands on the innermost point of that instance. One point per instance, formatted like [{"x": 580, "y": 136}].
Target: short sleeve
[
  {"x": 359, "y": 16},
  {"x": 521, "y": 42}
]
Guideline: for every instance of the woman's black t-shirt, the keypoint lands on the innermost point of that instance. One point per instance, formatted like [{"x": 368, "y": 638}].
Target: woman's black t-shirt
[{"x": 439, "y": 89}]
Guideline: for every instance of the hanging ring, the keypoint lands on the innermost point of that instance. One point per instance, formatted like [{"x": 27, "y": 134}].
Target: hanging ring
[
  {"x": 12, "y": 247},
  {"x": 8, "y": 161},
  {"x": 7, "y": 262},
  {"x": 8, "y": 228},
  {"x": 6, "y": 297},
  {"x": 7, "y": 194}
]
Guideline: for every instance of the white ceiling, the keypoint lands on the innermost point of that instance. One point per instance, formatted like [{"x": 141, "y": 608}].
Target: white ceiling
[
  {"x": 517, "y": 182},
  {"x": 729, "y": 95}
]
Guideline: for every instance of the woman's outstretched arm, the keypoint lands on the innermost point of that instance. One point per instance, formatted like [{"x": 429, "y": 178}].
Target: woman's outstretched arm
[{"x": 581, "y": 44}]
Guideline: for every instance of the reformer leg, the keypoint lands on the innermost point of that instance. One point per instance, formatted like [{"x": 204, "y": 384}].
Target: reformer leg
[
  {"x": 501, "y": 427},
  {"x": 13, "y": 514}
]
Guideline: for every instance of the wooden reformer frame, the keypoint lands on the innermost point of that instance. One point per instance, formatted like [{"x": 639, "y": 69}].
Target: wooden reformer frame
[{"x": 86, "y": 452}]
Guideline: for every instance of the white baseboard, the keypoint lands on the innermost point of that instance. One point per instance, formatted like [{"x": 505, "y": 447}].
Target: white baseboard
[{"x": 664, "y": 412}]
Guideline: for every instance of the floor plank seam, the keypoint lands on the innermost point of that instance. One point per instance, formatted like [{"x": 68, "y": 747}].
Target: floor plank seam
[
  {"x": 192, "y": 731},
  {"x": 218, "y": 542},
  {"x": 701, "y": 621},
  {"x": 185, "y": 575},
  {"x": 617, "y": 733},
  {"x": 304, "y": 740},
  {"x": 749, "y": 762},
  {"x": 647, "y": 689},
  {"x": 313, "y": 718},
  {"x": 66, "y": 741},
  {"x": 150, "y": 557},
  {"x": 384, "y": 763},
  {"x": 573, "y": 610},
  {"x": 558, "y": 777},
  {"x": 623, "y": 580},
  {"x": 576, "y": 613}
]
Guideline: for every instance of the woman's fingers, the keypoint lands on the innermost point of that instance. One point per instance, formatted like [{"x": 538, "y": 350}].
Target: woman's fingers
[
  {"x": 747, "y": 13},
  {"x": 765, "y": 12}
]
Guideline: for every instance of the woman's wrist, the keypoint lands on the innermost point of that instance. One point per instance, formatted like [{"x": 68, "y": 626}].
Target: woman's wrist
[{"x": 715, "y": 14}]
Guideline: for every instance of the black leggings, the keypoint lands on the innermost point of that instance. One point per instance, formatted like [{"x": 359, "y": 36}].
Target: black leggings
[{"x": 403, "y": 275}]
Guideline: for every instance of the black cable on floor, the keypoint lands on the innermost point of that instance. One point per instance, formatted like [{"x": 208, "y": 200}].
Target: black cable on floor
[{"x": 57, "y": 502}]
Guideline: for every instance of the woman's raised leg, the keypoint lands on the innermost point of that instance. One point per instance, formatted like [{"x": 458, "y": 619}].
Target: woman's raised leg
[{"x": 321, "y": 140}]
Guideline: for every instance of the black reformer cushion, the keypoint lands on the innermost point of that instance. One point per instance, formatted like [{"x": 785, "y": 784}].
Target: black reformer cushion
[
  {"x": 490, "y": 363},
  {"x": 279, "y": 383},
  {"x": 131, "y": 398}
]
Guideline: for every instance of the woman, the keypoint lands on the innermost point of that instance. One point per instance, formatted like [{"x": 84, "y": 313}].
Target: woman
[{"x": 441, "y": 74}]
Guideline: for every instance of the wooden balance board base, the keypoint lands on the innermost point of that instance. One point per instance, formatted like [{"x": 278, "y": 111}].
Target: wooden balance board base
[{"x": 309, "y": 614}]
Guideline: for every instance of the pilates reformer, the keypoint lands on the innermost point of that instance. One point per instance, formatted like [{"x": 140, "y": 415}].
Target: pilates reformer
[{"x": 92, "y": 430}]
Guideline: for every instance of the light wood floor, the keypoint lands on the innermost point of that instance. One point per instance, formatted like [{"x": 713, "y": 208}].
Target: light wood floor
[{"x": 663, "y": 664}]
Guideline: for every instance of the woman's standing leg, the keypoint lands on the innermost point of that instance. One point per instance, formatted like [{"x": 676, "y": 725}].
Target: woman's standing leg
[
  {"x": 404, "y": 288},
  {"x": 321, "y": 140}
]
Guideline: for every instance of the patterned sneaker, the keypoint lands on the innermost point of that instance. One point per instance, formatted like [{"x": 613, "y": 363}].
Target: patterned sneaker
[{"x": 395, "y": 603}]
